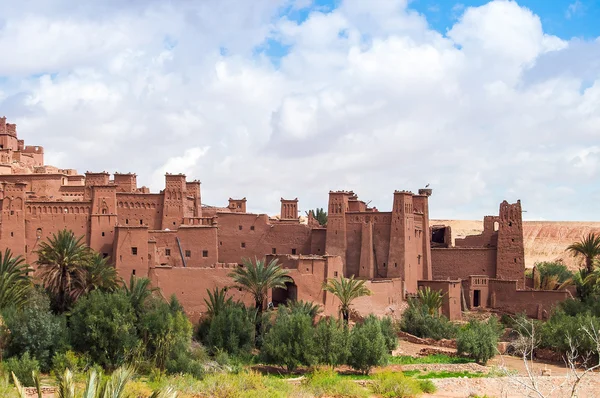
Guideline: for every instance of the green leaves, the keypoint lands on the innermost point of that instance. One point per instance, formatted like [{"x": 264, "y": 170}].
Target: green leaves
[
  {"x": 15, "y": 282},
  {"x": 346, "y": 290},
  {"x": 589, "y": 248},
  {"x": 257, "y": 278}
]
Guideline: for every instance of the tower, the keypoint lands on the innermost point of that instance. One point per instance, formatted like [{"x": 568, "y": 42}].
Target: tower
[
  {"x": 13, "y": 218},
  {"x": 103, "y": 218},
  {"x": 335, "y": 242},
  {"x": 289, "y": 209},
  {"x": 402, "y": 258},
  {"x": 510, "y": 257},
  {"x": 173, "y": 199}
]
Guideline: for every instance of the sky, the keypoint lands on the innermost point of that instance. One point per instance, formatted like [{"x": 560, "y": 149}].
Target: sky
[{"x": 484, "y": 100}]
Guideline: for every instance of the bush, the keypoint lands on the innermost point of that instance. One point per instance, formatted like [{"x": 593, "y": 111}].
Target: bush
[
  {"x": 165, "y": 331},
  {"x": 34, "y": 329},
  {"x": 479, "y": 340},
  {"x": 555, "y": 333},
  {"x": 417, "y": 321},
  {"x": 290, "y": 341},
  {"x": 331, "y": 342},
  {"x": 367, "y": 345},
  {"x": 103, "y": 325},
  {"x": 327, "y": 383},
  {"x": 23, "y": 368},
  {"x": 232, "y": 330},
  {"x": 244, "y": 384},
  {"x": 71, "y": 360},
  {"x": 389, "y": 333},
  {"x": 395, "y": 384}
]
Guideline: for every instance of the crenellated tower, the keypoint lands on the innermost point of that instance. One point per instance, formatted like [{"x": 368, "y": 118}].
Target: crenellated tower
[
  {"x": 335, "y": 244},
  {"x": 173, "y": 201},
  {"x": 510, "y": 258},
  {"x": 402, "y": 258}
]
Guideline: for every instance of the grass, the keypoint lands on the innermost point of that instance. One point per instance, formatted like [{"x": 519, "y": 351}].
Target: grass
[{"x": 430, "y": 359}]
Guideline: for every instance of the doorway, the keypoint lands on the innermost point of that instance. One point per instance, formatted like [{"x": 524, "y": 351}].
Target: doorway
[
  {"x": 476, "y": 298},
  {"x": 283, "y": 296}
]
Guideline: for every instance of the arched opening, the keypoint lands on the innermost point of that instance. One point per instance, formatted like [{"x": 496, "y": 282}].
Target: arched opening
[
  {"x": 282, "y": 296},
  {"x": 496, "y": 225}
]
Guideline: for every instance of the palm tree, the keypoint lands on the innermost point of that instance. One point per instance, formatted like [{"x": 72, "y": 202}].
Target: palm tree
[
  {"x": 62, "y": 266},
  {"x": 588, "y": 248},
  {"x": 257, "y": 278},
  {"x": 431, "y": 300},
  {"x": 138, "y": 291},
  {"x": 305, "y": 307},
  {"x": 346, "y": 290},
  {"x": 15, "y": 282},
  {"x": 216, "y": 301},
  {"x": 100, "y": 274}
]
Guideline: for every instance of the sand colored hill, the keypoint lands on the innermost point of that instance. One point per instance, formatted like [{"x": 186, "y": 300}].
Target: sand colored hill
[{"x": 544, "y": 240}]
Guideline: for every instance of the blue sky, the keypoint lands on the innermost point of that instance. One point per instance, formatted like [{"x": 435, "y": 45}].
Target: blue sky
[{"x": 562, "y": 18}]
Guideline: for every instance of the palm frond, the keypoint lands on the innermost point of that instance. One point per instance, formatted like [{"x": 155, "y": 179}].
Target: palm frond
[
  {"x": 15, "y": 282},
  {"x": 66, "y": 386},
  {"x": 346, "y": 290},
  {"x": 217, "y": 301}
]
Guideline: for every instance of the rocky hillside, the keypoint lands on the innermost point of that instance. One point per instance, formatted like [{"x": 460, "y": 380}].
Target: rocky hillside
[{"x": 544, "y": 240}]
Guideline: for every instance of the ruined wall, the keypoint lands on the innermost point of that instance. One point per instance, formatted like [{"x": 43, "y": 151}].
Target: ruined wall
[
  {"x": 198, "y": 244},
  {"x": 459, "y": 263},
  {"x": 535, "y": 303}
]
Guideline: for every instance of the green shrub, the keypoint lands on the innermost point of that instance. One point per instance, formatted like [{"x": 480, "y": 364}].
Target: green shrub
[
  {"x": 232, "y": 330},
  {"x": 36, "y": 330},
  {"x": 389, "y": 333},
  {"x": 417, "y": 321},
  {"x": 427, "y": 386},
  {"x": 367, "y": 345},
  {"x": 290, "y": 341},
  {"x": 327, "y": 383},
  {"x": 331, "y": 342},
  {"x": 243, "y": 384},
  {"x": 395, "y": 385},
  {"x": 103, "y": 326},
  {"x": 556, "y": 332},
  {"x": 23, "y": 368},
  {"x": 71, "y": 360},
  {"x": 573, "y": 307},
  {"x": 479, "y": 340}
]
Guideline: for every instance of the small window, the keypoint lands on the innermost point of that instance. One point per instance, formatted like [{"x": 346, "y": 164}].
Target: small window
[
  {"x": 167, "y": 252},
  {"x": 103, "y": 234},
  {"x": 252, "y": 228},
  {"x": 134, "y": 251},
  {"x": 126, "y": 221},
  {"x": 12, "y": 234},
  {"x": 204, "y": 253},
  {"x": 243, "y": 245},
  {"x": 188, "y": 253},
  {"x": 293, "y": 251},
  {"x": 133, "y": 272},
  {"x": 335, "y": 273},
  {"x": 220, "y": 243},
  {"x": 240, "y": 227},
  {"x": 395, "y": 265},
  {"x": 12, "y": 212},
  {"x": 25, "y": 248},
  {"x": 141, "y": 222},
  {"x": 173, "y": 222},
  {"x": 274, "y": 251},
  {"x": 383, "y": 265}
]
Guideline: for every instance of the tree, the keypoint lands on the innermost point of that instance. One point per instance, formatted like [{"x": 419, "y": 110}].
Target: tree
[
  {"x": 217, "y": 302},
  {"x": 232, "y": 329},
  {"x": 257, "y": 278},
  {"x": 331, "y": 341},
  {"x": 551, "y": 276},
  {"x": 62, "y": 267},
  {"x": 15, "y": 282},
  {"x": 305, "y": 307},
  {"x": 138, "y": 291},
  {"x": 588, "y": 248},
  {"x": 100, "y": 274},
  {"x": 367, "y": 345},
  {"x": 346, "y": 290},
  {"x": 479, "y": 340},
  {"x": 431, "y": 300},
  {"x": 319, "y": 214}
]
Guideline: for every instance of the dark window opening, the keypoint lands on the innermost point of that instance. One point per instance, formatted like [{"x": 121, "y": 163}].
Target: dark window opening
[
  {"x": 515, "y": 260},
  {"x": 293, "y": 251},
  {"x": 25, "y": 248},
  {"x": 134, "y": 251},
  {"x": 335, "y": 273},
  {"x": 383, "y": 265},
  {"x": 104, "y": 255},
  {"x": 141, "y": 222},
  {"x": 188, "y": 253},
  {"x": 476, "y": 298},
  {"x": 204, "y": 253},
  {"x": 510, "y": 223},
  {"x": 102, "y": 233},
  {"x": 133, "y": 272},
  {"x": 243, "y": 245},
  {"x": 220, "y": 243},
  {"x": 173, "y": 222},
  {"x": 274, "y": 251},
  {"x": 395, "y": 265},
  {"x": 12, "y": 212},
  {"x": 240, "y": 227},
  {"x": 167, "y": 252},
  {"x": 126, "y": 221},
  {"x": 252, "y": 228},
  {"x": 12, "y": 234}
]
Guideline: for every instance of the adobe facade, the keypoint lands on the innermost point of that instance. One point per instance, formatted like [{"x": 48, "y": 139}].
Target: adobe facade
[{"x": 186, "y": 248}]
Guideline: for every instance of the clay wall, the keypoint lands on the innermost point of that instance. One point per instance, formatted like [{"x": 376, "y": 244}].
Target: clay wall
[
  {"x": 125, "y": 182},
  {"x": 535, "y": 303},
  {"x": 451, "y": 306},
  {"x": 380, "y": 242},
  {"x": 131, "y": 251},
  {"x": 386, "y": 300},
  {"x": 317, "y": 241},
  {"x": 477, "y": 288},
  {"x": 198, "y": 245},
  {"x": 140, "y": 209},
  {"x": 251, "y": 235},
  {"x": 459, "y": 263},
  {"x": 511, "y": 253}
]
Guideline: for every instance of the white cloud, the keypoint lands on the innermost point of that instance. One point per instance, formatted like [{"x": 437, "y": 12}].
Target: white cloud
[{"x": 367, "y": 98}]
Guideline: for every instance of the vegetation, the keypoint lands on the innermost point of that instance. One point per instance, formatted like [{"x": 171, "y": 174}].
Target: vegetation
[
  {"x": 232, "y": 330},
  {"x": 257, "y": 278},
  {"x": 395, "y": 384},
  {"x": 430, "y": 300},
  {"x": 552, "y": 276},
  {"x": 305, "y": 307},
  {"x": 327, "y": 383},
  {"x": 479, "y": 339},
  {"x": 217, "y": 301},
  {"x": 588, "y": 248},
  {"x": 418, "y": 320},
  {"x": 437, "y": 358},
  {"x": 367, "y": 346},
  {"x": 320, "y": 215},
  {"x": 346, "y": 290},
  {"x": 332, "y": 338},
  {"x": 15, "y": 284}
]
